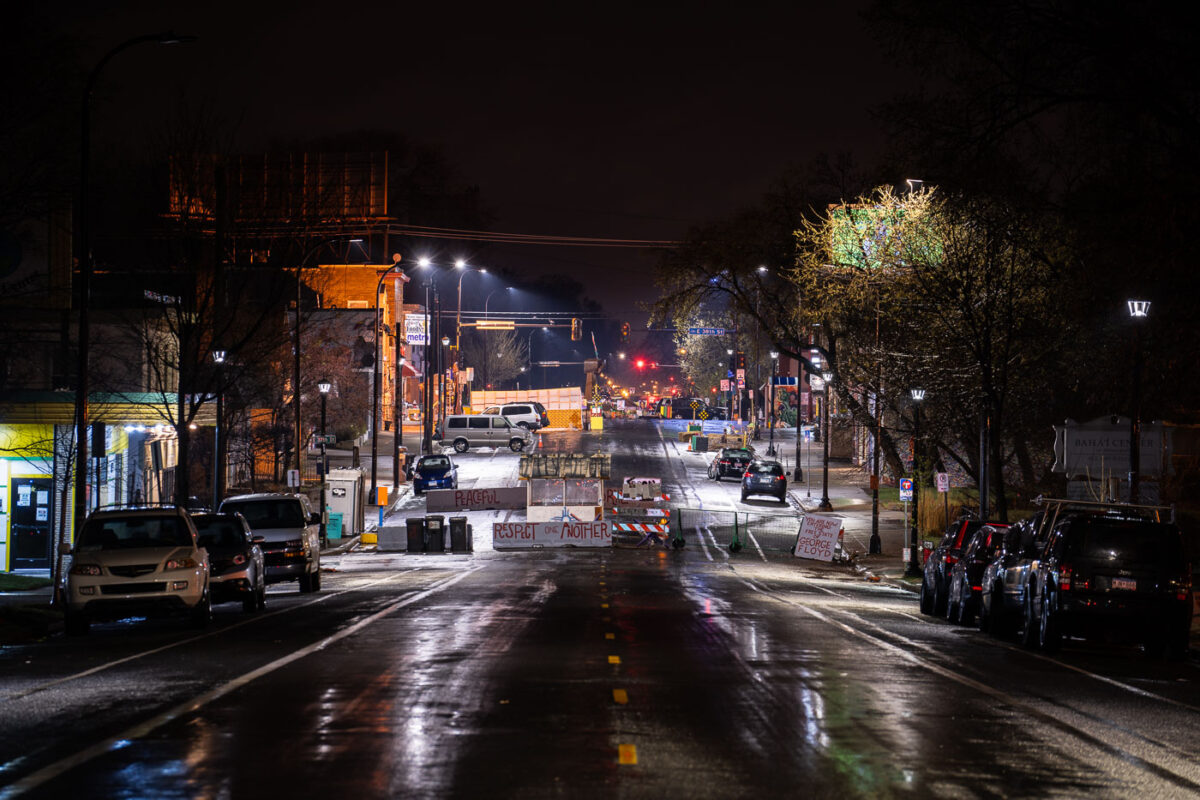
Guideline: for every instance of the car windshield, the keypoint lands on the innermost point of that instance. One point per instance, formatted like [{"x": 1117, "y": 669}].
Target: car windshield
[
  {"x": 434, "y": 462},
  {"x": 281, "y": 513},
  {"x": 1126, "y": 541},
  {"x": 217, "y": 532},
  {"x": 736, "y": 454},
  {"x": 126, "y": 533},
  {"x": 766, "y": 469}
]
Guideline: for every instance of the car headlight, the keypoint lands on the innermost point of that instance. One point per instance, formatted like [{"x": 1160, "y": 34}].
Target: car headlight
[
  {"x": 86, "y": 569},
  {"x": 182, "y": 563}
]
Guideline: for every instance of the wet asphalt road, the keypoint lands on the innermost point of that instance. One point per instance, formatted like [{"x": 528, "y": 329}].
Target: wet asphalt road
[{"x": 618, "y": 673}]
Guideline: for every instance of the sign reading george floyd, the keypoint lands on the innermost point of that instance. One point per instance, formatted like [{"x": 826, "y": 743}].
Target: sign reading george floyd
[
  {"x": 507, "y": 497},
  {"x": 818, "y": 537},
  {"x": 551, "y": 534}
]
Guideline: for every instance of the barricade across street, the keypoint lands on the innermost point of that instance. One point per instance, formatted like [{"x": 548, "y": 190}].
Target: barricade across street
[{"x": 736, "y": 530}]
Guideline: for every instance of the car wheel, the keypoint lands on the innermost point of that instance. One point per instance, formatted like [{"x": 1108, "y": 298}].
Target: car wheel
[
  {"x": 250, "y": 603},
  {"x": 1049, "y": 635},
  {"x": 984, "y": 619},
  {"x": 966, "y": 610},
  {"x": 952, "y": 605},
  {"x": 939, "y": 598},
  {"x": 926, "y": 598},
  {"x": 76, "y": 623},
  {"x": 744, "y": 497},
  {"x": 306, "y": 582},
  {"x": 517, "y": 445},
  {"x": 1029, "y": 636},
  {"x": 262, "y": 593},
  {"x": 524, "y": 425},
  {"x": 202, "y": 613},
  {"x": 316, "y": 578},
  {"x": 461, "y": 445}
]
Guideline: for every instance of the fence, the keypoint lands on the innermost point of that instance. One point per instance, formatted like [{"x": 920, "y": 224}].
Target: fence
[{"x": 750, "y": 529}]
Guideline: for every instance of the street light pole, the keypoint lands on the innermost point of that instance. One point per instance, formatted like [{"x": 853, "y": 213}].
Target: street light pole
[
  {"x": 324, "y": 385},
  {"x": 771, "y": 392},
  {"x": 218, "y": 462},
  {"x": 84, "y": 258},
  {"x": 375, "y": 381},
  {"x": 1138, "y": 311},
  {"x": 825, "y": 504},
  {"x": 914, "y": 566}
]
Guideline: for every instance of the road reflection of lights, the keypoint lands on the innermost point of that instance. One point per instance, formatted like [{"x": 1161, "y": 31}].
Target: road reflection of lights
[{"x": 814, "y": 717}]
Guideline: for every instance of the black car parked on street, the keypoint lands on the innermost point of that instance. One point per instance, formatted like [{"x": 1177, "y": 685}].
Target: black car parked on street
[
  {"x": 1111, "y": 573},
  {"x": 966, "y": 576},
  {"x": 1002, "y": 598},
  {"x": 935, "y": 581},
  {"x": 730, "y": 462},
  {"x": 235, "y": 558}
]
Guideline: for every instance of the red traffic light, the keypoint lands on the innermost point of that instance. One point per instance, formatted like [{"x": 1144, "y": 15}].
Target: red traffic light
[{"x": 640, "y": 363}]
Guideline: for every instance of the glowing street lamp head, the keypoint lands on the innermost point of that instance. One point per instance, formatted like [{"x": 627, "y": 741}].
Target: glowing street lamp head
[
  {"x": 1138, "y": 308},
  {"x": 459, "y": 264},
  {"x": 423, "y": 261},
  {"x": 917, "y": 395}
]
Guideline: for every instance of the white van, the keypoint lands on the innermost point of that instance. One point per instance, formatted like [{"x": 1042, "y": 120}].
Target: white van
[{"x": 464, "y": 431}]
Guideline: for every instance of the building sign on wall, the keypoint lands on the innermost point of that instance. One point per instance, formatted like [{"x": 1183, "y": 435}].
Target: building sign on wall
[
  {"x": 551, "y": 534},
  {"x": 1100, "y": 448},
  {"x": 414, "y": 329}
]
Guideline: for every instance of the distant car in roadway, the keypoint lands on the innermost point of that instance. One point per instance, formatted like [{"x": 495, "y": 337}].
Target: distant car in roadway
[
  {"x": 764, "y": 477},
  {"x": 133, "y": 562},
  {"x": 236, "y": 568},
  {"x": 433, "y": 472},
  {"x": 464, "y": 431},
  {"x": 530, "y": 416},
  {"x": 730, "y": 462}
]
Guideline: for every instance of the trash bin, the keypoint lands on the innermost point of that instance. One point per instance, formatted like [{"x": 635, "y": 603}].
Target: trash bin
[
  {"x": 416, "y": 534},
  {"x": 459, "y": 543},
  {"x": 435, "y": 532}
]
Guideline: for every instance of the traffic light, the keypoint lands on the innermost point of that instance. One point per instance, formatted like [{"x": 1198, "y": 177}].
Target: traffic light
[
  {"x": 741, "y": 360},
  {"x": 640, "y": 363},
  {"x": 624, "y": 330},
  {"x": 576, "y": 330}
]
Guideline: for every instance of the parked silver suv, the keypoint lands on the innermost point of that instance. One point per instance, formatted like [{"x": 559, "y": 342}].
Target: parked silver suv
[
  {"x": 530, "y": 416},
  {"x": 291, "y": 533},
  {"x": 464, "y": 431},
  {"x": 131, "y": 562}
]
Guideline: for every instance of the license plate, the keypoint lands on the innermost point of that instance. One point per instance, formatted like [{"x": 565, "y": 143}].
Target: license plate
[{"x": 1124, "y": 583}]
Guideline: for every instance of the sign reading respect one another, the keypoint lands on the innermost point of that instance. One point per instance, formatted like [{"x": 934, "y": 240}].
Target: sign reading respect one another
[
  {"x": 551, "y": 534},
  {"x": 818, "y": 537}
]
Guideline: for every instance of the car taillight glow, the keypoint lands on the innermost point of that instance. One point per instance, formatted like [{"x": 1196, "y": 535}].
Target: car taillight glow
[
  {"x": 976, "y": 588},
  {"x": 747, "y": 475},
  {"x": 780, "y": 478},
  {"x": 1064, "y": 577},
  {"x": 951, "y": 560}
]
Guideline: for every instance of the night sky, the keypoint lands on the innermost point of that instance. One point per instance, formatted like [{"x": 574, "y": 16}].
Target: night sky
[{"x": 622, "y": 120}]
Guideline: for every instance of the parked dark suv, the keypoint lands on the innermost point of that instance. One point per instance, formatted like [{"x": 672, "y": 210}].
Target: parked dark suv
[
  {"x": 1111, "y": 573},
  {"x": 730, "y": 462},
  {"x": 935, "y": 582},
  {"x": 1002, "y": 602},
  {"x": 966, "y": 576}
]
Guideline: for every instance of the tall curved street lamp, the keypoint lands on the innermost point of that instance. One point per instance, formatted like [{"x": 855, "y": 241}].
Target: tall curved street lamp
[
  {"x": 84, "y": 258},
  {"x": 218, "y": 462},
  {"x": 489, "y": 297},
  {"x": 395, "y": 267}
]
